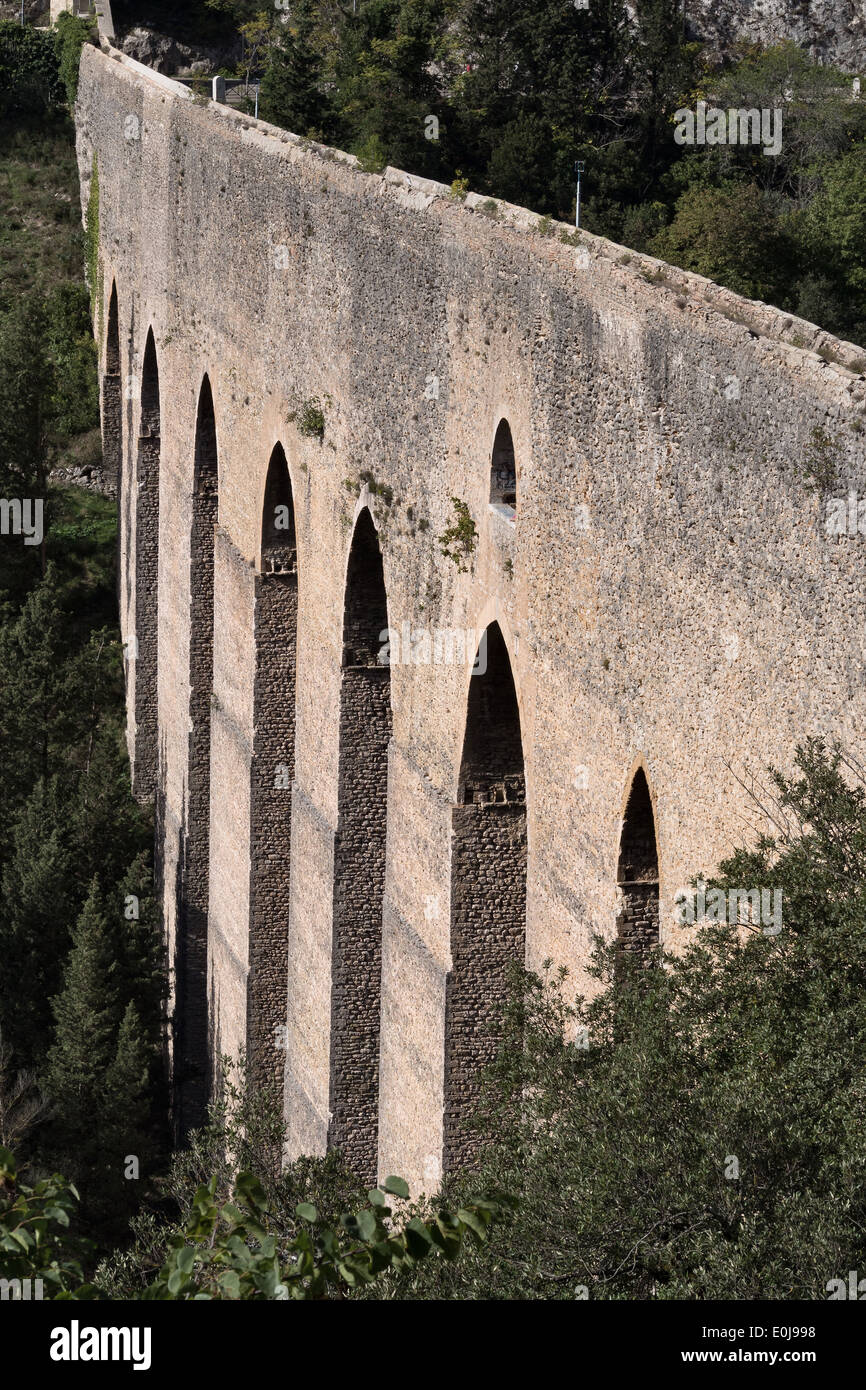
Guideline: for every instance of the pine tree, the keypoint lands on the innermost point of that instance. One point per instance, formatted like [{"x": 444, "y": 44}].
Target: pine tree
[
  {"x": 125, "y": 1111},
  {"x": 36, "y": 714},
  {"x": 87, "y": 1013},
  {"x": 142, "y": 961},
  {"x": 88, "y": 1016},
  {"x": 100, "y": 1066},
  {"x": 291, "y": 94},
  {"x": 26, "y": 383},
  {"x": 107, "y": 827},
  {"x": 36, "y": 904}
]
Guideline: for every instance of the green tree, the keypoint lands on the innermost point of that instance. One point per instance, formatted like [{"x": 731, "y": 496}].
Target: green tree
[
  {"x": 70, "y": 37},
  {"x": 29, "y": 79},
  {"x": 37, "y": 904},
  {"x": 38, "y": 711},
  {"x": 98, "y": 1067},
  {"x": 73, "y": 406},
  {"x": 832, "y": 290},
  {"x": 26, "y": 387},
  {"x": 231, "y": 1250},
  {"x": 731, "y": 235},
  {"x": 86, "y": 1015},
  {"x": 142, "y": 973},
  {"x": 292, "y": 93},
  {"x": 386, "y": 63},
  {"x": 35, "y": 1241},
  {"x": 819, "y": 121}
]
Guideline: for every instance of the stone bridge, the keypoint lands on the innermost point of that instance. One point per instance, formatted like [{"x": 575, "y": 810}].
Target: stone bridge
[{"x": 466, "y": 565}]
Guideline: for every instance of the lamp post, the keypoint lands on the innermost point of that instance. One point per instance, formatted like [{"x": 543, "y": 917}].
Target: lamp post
[{"x": 578, "y": 169}]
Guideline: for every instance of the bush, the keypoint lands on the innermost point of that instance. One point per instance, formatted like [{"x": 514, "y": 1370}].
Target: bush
[
  {"x": 730, "y": 235},
  {"x": 29, "y": 78},
  {"x": 70, "y": 37}
]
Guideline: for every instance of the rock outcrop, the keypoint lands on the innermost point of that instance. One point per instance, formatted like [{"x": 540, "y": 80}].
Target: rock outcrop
[{"x": 833, "y": 31}]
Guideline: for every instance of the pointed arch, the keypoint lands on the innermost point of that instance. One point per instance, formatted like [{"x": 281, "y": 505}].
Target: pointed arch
[
  {"x": 503, "y": 469},
  {"x": 637, "y": 918},
  {"x": 191, "y": 1048},
  {"x": 273, "y": 774},
  {"x": 359, "y": 858},
  {"x": 488, "y": 888},
  {"x": 112, "y": 335},
  {"x": 146, "y": 648}
]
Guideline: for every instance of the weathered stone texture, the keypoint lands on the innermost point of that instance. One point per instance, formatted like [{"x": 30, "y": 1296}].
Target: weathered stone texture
[
  {"x": 192, "y": 1024},
  {"x": 667, "y": 596},
  {"x": 145, "y": 649},
  {"x": 488, "y": 892},
  {"x": 833, "y": 31},
  {"x": 273, "y": 773},
  {"x": 359, "y": 860}
]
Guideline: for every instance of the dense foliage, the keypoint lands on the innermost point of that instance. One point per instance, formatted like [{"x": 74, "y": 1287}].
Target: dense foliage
[
  {"x": 82, "y": 983},
  {"x": 235, "y": 1236}
]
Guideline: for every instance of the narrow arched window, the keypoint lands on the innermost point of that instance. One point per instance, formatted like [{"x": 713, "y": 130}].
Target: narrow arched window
[
  {"x": 637, "y": 922},
  {"x": 503, "y": 472}
]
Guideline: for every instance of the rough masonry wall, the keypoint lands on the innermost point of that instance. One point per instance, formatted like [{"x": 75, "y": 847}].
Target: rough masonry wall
[
  {"x": 231, "y": 937},
  {"x": 112, "y": 403},
  {"x": 273, "y": 773},
  {"x": 488, "y": 893},
  {"x": 193, "y": 1026},
  {"x": 359, "y": 861},
  {"x": 145, "y": 647},
  {"x": 668, "y": 594}
]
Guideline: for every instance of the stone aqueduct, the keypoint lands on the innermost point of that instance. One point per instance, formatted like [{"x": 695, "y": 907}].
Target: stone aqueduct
[{"x": 351, "y": 851}]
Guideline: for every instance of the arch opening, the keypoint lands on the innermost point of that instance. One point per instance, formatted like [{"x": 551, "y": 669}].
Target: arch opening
[
  {"x": 112, "y": 336},
  {"x": 503, "y": 471},
  {"x": 273, "y": 773},
  {"x": 359, "y": 858},
  {"x": 146, "y": 647},
  {"x": 279, "y": 545},
  {"x": 637, "y": 918},
  {"x": 488, "y": 891},
  {"x": 192, "y": 1062}
]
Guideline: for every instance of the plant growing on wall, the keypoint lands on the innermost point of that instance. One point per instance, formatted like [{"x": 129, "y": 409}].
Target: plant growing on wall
[
  {"x": 311, "y": 418},
  {"x": 70, "y": 37},
  {"x": 821, "y": 464},
  {"x": 458, "y": 541}
]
